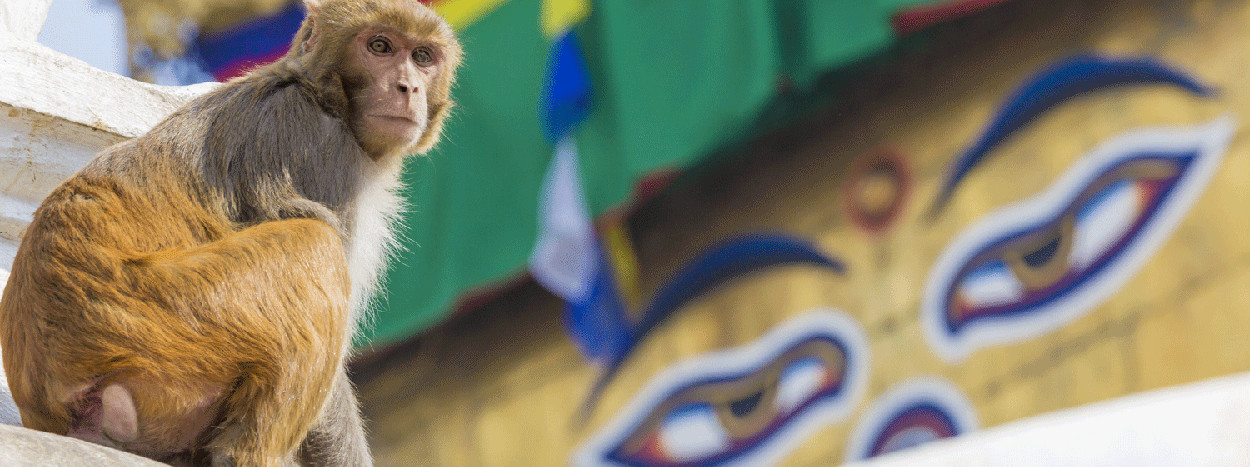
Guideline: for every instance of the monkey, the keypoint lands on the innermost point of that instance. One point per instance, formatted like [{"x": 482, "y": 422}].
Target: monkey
[{"x": 191, "y": 295}]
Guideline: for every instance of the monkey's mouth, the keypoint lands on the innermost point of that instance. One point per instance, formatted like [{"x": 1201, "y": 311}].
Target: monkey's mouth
[
  {"x": 397, "y": 126},
  {"x": 395, "y": 119}
]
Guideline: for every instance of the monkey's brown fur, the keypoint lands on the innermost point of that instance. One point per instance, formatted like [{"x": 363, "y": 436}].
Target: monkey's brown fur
[{"x": 212, "y": 270}]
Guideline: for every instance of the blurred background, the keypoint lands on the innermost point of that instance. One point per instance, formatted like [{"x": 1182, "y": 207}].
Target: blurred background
[{"x": 798, "y": 232}]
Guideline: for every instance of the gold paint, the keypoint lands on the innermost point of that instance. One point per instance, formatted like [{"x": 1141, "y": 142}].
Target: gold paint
[{"x": 876, "y": 192}]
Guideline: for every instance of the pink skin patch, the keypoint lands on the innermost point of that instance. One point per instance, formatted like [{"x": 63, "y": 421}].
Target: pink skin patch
[
  {"x": 106, "y": 417},
  {"x": 118, "y": 417}
]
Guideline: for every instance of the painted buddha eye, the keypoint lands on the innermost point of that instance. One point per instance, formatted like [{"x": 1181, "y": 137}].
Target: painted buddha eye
[
  {"x": 1034, "y": 266},
  {"x": 910, "y": 414},
  {"x": 727, "y": 406}
]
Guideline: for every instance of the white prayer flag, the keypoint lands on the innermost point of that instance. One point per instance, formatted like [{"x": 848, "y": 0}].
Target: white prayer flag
[{"x": 564, "y": 256}]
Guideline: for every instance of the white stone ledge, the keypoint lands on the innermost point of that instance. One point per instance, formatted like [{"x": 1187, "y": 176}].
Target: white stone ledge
[
  {"x": 23, "y": 447},
  {"x": 36, "y": 78}
]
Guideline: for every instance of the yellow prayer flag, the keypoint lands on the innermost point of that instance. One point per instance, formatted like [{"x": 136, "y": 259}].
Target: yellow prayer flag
[{"x": 558, "y": 15}]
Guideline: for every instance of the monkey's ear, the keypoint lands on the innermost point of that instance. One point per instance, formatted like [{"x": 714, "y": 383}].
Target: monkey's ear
[
  {"x": 314, "y": 11},
  {"x": 312, "y": 35}
]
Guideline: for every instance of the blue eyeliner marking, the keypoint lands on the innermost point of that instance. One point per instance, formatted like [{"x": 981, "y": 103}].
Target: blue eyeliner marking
[
  {"x": 1062, "y": 81},
  {"x": 720, "y": 264}
]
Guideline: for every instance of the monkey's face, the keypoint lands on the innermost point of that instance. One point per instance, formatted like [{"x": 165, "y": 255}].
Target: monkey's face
[{"x": 391, "y": 90}]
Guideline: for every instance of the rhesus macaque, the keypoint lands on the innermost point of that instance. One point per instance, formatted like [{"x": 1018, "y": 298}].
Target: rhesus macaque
[{"x": 191, "y": 294}]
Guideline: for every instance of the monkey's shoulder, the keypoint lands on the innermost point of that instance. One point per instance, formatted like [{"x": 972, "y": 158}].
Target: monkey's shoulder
[
  {"x": 287, "y": 103},
  {"x": 252, "y": 120}
]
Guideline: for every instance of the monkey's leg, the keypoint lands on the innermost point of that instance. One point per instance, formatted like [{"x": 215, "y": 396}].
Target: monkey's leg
[
  {"x": 338, "y": 437},
  {"x": 260, "y": 428},
  {"x": 278, "y": 292}
]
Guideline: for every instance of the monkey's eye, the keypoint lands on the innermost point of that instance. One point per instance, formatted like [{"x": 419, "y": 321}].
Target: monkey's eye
[
  {"x": 380, "y": 46},
  {"x": 422, "y": 56}
]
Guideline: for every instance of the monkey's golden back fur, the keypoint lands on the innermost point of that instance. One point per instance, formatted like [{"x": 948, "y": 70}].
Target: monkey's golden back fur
[{"x": 101, "y": 257}]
